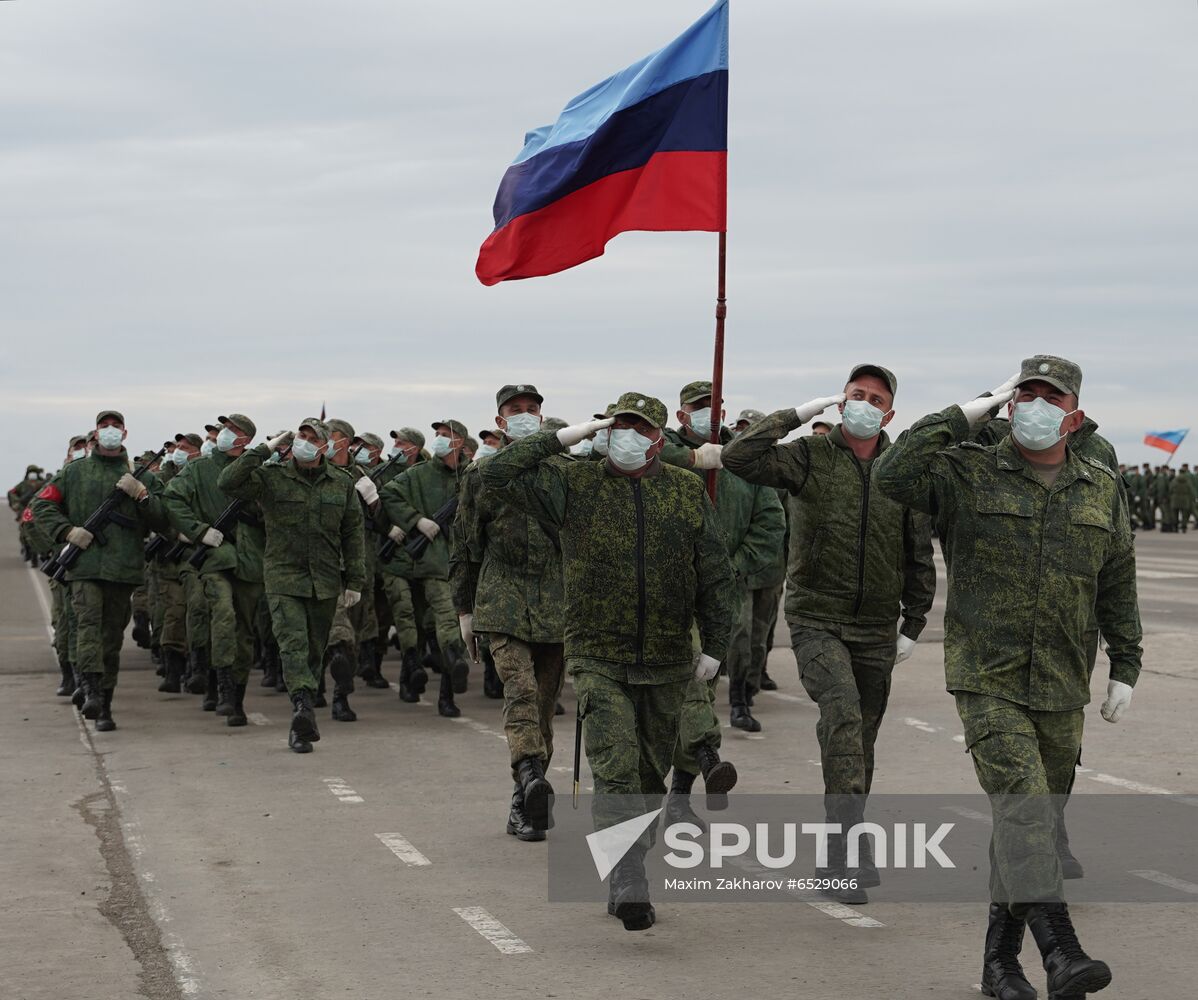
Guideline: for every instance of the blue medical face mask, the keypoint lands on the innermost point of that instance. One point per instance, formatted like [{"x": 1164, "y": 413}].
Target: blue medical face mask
[
  {"x": 78, "y": 453},
  {"x": 363, "y": 456},
  {"x": 441, "y": 446},
  {"x": 179, "y": 457},
  {"x": 304, "y": 450},
  {"x": 110, "y": 437},
  {"x": 225, "y": 439},
  {"x": 485, "y": 451},
  {"x": 521, "y": 425},
  {"x": 627, "y": 449},
  {"x": 599, "y": 444},
  {"x": 207, "y": 447},
  {"x": 400, "y": 456},
  {"x": 583, "y": 448},
  {"x": 1037, "y": 424},
  {"x": 862, "y": 419},
  {"x": 701, "y": 423}
]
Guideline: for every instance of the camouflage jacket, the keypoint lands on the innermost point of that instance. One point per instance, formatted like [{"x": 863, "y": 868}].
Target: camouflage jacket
[
  {"x": 505, "y": 567},
  {"x": 193, "y": 502},
  {"x": 420, "y": 492},
  {"x": 313, "y": 523},
  {"x": 750, "y": 517},
  {"x": 856, "y": 556},
  {"x": 1027, "y": 564},
  {"x": 642, "y": 559},
  {"x": 1181, "y": 490},
  {"x": 72, "y": 496}
]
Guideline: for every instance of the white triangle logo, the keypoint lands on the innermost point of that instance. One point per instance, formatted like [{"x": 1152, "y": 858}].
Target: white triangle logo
[{"x": 610, "y": 845}]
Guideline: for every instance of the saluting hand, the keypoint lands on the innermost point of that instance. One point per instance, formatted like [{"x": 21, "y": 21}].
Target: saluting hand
[
  {"x": 570, "y": 436},
  {"x": 817, "y": 406},
  {"x": 977, "y": 411}
]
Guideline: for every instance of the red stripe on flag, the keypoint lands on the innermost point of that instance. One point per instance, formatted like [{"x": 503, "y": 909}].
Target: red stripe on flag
[
  {"x": 679, "y": 192},
  {"x": 1155, "y": 442}
]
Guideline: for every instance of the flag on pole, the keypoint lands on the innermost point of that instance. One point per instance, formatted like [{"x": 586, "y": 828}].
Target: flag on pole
[
  {"x": 646, "y": 149},
  {"x": 1168, "y": 441}
]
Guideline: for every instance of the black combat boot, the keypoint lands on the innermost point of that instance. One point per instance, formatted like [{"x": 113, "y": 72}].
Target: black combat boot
[
  {"x": 226, "y": 691},
  {"x": 237, "y": 717},
  {"x": 93, "y": 696},
  {"x": 197, "y": 677},
  {"x": 341, "y": 710},
  {"x": 79, "y": 693},
  {"x": 66, "y": 686},
  {"x": 1070, "y": 866},
  {"x": 1002, "y": 975},
  {"x": 445, "y": 702},
  {"x": 270, "y": 666},
  {"x": 741, "y": 718},
  {"x": 844, "y": 884},
  {"x": 628, "y": 896},
  {"x": 537, "y": 793},
  {"x": 412, "y": 678},
  {"x": 559, "y": 708},
  {"x": 320, "y": 701},
  {"x": 492, "y": 685},
  {"x": 303, "y": 722},
  {"x": 172, "y": 671},
  {"x": 104, "y": 723},
  {"x": 1071, "y": 972},
  {"x": 432, "y": 660},
  {"x": 210, "y": 692},
  {"x": 368, "y": 668},
  {"x": 281, "y": 677},
  {"x": 340, "y": 660},
  {"x": 767, "y": 682},
  {"x": 141, "y": 629},
  {"x": 678, "y": 804},
  {"x": 517, "y": 821},
  {"x": 459, "y": 669},
  {"x": 719, "y": 777}
]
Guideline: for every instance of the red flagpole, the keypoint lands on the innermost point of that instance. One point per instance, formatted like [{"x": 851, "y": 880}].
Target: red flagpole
[{"x": 717, "y": 374}]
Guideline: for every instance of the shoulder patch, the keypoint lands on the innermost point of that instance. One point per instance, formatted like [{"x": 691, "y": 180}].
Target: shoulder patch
[
  {"x": 50, "y": 492},
  {"x": 1095, "y": 464}
]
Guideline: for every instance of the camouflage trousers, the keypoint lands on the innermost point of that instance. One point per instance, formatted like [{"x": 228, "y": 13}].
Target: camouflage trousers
[
  {"x": 1183, "y": 512},
  {"x": 698, "y": 725},
  {"x": 232, "y": 605},
  {"x": 157, "y": 609},
  {"x": 62, "y": 615},
  {"x": 630, "y": 732},
  {"x": 102, "y": 612},
  {"x": 173, "y": 632},
  {"x": 364, "y": 614},
  {"x": 532, "y": 675},
  {"x": 342, "y": 630},
  {"x": 1025, "y": 762},
  {"x": 846, "y": 671},
  {"x": 740, "y": 663},
  {"x": 198, "y": 622},
  {"x": 301, "y": 628},
  {"x": 402, "y": 594},
  {"x": 140, "y": 600},
  {"x": 766, "y": 601}
]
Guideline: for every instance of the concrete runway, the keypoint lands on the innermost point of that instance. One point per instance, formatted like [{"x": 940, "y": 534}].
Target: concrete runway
[{"x": 178, "y": 858}]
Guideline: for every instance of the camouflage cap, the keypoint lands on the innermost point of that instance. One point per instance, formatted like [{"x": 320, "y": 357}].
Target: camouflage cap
[
  {"x": 470, "y": 445},
  {"x": 607, "y": 412},
  {"x": 192, "y": 439},
  {"x": 553, "y": 424},
  {"x": 82, "y": 439},
  {"x": 105, "y": 414},
  {"x": 638, "y": 404},
  {"x": 409, "y": 434},
  {"x": 752, "y": 416},
  {"x": 212, "y": 428},
  {"x": 32, "y": 468},
  {"x": 341, "y": 427},
  {"x": 372, "y": 440},
  {"x": 241, "y": 422},
  {"x": 1057, "y": 372},
  {"x": 692, "y": 392},
  {"x": 455, "y": 426},
  {"x": 877, "y": 371},
  {"x": 489, "y": 433},
  {"x": 318, "y": 426},
  {"x": 510, "y": 392},
  {"x": 147, "y": 458}
]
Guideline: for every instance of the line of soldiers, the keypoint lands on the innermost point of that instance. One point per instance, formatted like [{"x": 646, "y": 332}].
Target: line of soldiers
[
  {"x": 594, "y": 549},
  {"x": 1164, "y": 492}
]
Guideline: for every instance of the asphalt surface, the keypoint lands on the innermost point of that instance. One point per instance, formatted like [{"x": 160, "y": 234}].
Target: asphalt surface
[{"x": 178, "y": 858}]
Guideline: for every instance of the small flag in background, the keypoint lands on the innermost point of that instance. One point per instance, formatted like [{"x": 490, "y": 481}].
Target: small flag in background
[
  {"x": 646, "y": 149},
  {"x": 1168, "y": 441}
]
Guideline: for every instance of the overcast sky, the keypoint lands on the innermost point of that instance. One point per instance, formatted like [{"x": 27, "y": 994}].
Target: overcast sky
[{"x": 261, "y": 206}]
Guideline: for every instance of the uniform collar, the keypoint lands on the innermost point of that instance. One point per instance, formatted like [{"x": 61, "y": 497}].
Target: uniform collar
[
  {"x": 301, "y": 475},
  {"x": 1008, "y": 458},
  {"x": 837, "y": 437}
]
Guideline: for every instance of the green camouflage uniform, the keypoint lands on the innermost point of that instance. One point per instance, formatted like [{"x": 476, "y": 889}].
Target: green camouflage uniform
[
  {"x": 104, "y": 578},
  {"x": 1162, "y": 484},
  {"x": 1028, "y": 565},
  {"x": 1181, "y": 499},
  {"x": 857, "y": 561},
  {"x": 642, "y": 560},
  {"x": 765, "y": 589},
  {"x": 313, "y": 527}
]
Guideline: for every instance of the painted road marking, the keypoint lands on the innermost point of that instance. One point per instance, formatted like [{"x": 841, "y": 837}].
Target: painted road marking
[
  {"x": 402, "y": 848},
  {"x": 343, "y": 792},
  {"x": 1160, "y": 878},
  {"x": 257, "y": 718},
  {"x": 972, "y": 814},
  {"x": 923, "y": 727},
  {"x": 845, "y": 914},
  {"x": 1131, "y": 786},
  {"x": 478, "y": 727},
  {"x": 43, "y": 601},
  {"x": 492, "y": 930}
]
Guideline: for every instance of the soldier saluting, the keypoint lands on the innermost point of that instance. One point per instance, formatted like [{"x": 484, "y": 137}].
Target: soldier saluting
[{"x": 1036, "y": 538}]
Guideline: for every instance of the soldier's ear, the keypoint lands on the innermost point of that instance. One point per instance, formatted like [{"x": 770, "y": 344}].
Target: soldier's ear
[{"x": 886, "y": 419}]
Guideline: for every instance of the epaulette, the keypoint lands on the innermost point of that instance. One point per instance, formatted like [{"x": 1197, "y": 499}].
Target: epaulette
[{"x": 1094, "y": 463}]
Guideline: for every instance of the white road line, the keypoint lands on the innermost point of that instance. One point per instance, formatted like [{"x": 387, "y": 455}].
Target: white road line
[
  {"x": 923, "y": 727},
  {"x": 958, "y": 738},
  {"x": 1167, "y": 880},
  {"x": 845, "y": 914},
  {"x": 492, "y": 930},
  {"x": 783, "y": 696},
  {"x": 478, "y": 727},
  {"x": 972, "y": 814},
  {"x": 754, "y": 736},
  {"x": 41, "y": 599},
  {"x": 402, "y": 848},
  {"x": 343, "y": 792},
  {"x": 1156, "y": 574},
  {"x": 258, "y": 719},
  {"x": 1131, "y": 786}
]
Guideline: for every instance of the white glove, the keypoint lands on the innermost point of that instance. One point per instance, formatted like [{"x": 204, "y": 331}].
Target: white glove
[
  {"x": 275, "y": 443},
  {"x": 129, "y": 485},
  {"x": 183, "y": 537},
  {"x": 903, "y": 649},
  {"x": 1118, "y": 697},
  {"x": 570, "y": 436},
  {"x": 212, "y": 538},
  {"x": 396, "y": 534},
  {"x": 977, "y": 411},
  {"x": 428, "y": 528},
  {"x": 367, "y": 490},
  {"x": 352, "y": 597},
  {"x": 817, "y": 406},
  {"x": 706, "y": 667},
  {"x": 81, "y": 538},
  {"x": 466, "y": 624},
  {"x": 708, "y": 456}
]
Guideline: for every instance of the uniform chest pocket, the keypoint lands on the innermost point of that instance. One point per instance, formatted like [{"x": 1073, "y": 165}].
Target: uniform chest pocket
[
  {"x": 331, "y": 509},
  {"x": 1003, "y": 518},
  {"x": 289, "y": 512},
  {"x": 1089, "y": 540}
]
